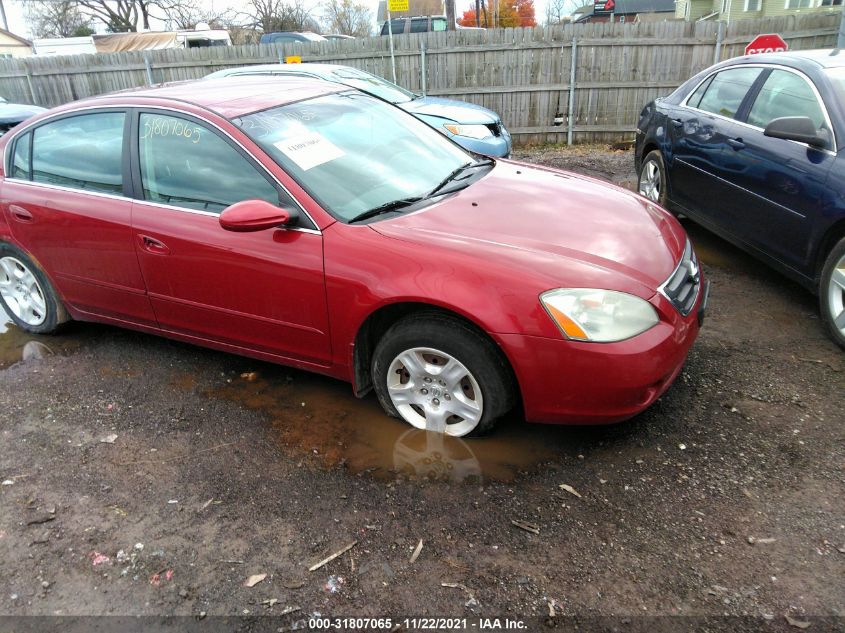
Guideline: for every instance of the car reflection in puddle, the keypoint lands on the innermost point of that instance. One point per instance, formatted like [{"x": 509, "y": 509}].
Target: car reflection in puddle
[
  {"x": 17, "y": 345},
  {"x": 318, "y": 416}
]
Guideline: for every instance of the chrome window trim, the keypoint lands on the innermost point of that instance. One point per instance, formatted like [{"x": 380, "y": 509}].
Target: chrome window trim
[
  {"x": 142, "y": 107},
  {"x": 815, "y": 90},
  {"x": 99, "y": 194}
]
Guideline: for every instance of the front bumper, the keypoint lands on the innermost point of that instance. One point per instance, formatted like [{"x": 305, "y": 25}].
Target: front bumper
[{"x": 572, "y": 382}]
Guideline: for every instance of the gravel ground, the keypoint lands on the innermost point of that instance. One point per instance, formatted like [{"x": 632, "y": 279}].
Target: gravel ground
[{"x": 147, "y": 477}]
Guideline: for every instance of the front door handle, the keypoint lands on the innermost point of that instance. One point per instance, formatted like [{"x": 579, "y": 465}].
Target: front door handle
[
  {"x": 20, "y": 214},
  {"x": 736, "y": 143},
  {"x": 152, "y": 245},
  {"x": 677, "y": 122}
]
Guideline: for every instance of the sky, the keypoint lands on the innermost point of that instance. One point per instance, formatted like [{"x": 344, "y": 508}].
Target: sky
[{"x": 17, "y": 24}]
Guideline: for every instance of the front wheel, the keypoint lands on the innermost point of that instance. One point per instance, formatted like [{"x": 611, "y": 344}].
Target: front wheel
[
  {"x": 832, "y": 293},
  {"x": 653, "y": 183},
  {"x": 439, "y": 374}
]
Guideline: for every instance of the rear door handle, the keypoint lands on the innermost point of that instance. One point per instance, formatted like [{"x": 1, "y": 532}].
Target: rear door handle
[
  {"x": 20, "y": 214},
  {"x": 736, "y": 143},
  {"x": 152, "y": 245}
]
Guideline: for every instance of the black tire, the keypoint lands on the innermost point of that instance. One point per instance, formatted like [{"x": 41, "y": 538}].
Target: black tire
[
  {"x": 832, "y": 295},
  {"x": 55, "y": 314},
  {"x": 662, "y": 194},
  {"x": 465, "y": 344}
]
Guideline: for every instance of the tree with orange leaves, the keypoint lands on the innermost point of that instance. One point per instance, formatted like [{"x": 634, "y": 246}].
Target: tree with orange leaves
[{"x": 511, "y": 13}]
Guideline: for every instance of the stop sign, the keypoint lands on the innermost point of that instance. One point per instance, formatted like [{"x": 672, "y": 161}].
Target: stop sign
[{"x": 768, "y": 43}]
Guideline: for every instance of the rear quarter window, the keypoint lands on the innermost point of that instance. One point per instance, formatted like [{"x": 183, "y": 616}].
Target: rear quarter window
[{"x": 20, "y": 167}]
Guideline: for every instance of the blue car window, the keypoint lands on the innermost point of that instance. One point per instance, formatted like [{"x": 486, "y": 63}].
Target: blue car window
[
  {"x": 785, "y": 94},
  {"x": 726, "y": 91},
  {"x": 695, "y": 98}
]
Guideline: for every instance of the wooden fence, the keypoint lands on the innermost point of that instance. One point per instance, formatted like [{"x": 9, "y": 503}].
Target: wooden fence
[{"x": 526, "y": 75}]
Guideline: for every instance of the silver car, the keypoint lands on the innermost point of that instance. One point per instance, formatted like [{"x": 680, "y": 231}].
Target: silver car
[{"x": 475, "y": 128}]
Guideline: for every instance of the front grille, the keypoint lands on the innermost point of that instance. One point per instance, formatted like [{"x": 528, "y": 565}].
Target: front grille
[{"x": 684, "y": 283}]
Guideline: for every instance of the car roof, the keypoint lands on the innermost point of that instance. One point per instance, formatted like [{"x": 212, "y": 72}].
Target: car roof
[
  {"x": 825, "y": 58},
  {"x": 230, "y": 97},
  {"x": 303, "y": 69}
]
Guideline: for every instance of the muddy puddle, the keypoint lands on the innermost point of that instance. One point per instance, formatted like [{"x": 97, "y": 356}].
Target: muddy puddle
[
  {"x": 712, "y": 250},
  {"x": 320, "y": 417},
  {"x": 17, "y": 345}
]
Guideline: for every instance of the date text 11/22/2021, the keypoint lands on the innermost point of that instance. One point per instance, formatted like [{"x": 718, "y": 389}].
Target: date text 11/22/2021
[{"x": 421, "y": 623}]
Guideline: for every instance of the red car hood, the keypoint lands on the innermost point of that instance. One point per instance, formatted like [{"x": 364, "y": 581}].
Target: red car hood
[{"x": 560, "y": 225}]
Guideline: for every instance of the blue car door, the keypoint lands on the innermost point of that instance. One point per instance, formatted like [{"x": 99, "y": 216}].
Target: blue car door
[
  {"x": 700, "y": 130},
  {"x": 778, "y": 185}
]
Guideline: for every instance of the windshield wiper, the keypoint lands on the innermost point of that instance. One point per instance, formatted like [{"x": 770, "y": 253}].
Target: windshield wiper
[
  {"x": 387, "y": 207},
  {"x": 457, "y": 172}
]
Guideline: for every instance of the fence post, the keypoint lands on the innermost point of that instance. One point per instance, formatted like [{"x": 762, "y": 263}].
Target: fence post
[
  {"x": 149, "y": 68},
  {"x": 840, "y": 38},
  {"x": 720, "y": 31},
  {"x": 422, "y": 68},
  {"x": 570, "y": 122},
  {"x": 29, "y": 82}
]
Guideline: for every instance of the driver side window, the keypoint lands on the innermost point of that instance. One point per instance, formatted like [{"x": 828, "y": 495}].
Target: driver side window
[
  {"x": 785, "y": 94},
  {"x": 184, "y": 164}
]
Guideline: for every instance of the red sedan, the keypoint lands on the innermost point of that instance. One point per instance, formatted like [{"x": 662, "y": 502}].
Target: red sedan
[{"x": 304, "y": 223}]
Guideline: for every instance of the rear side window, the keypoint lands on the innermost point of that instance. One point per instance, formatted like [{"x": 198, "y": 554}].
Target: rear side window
[
  {"x": 398, "y": 26},
  {"x": 785, "y": 94},
  {"x": 20, "y": 161},
  {"x": 726, "y": 91},
  {"x": 83, "y": 152},
  {"x": 184, "y": 164},
  {"x": 419, "y": 26},
  {"x": 438, "y": 24}
]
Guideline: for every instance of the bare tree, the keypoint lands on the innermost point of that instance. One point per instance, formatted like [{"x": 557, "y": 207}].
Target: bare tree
[
  {"x": 558, "y": 11},
  {"x": 56, "y": 18},
  {"x": 186, "y": 14},
  {"x": 347, "y": 18},
  {"x": 278, "y": 15}
]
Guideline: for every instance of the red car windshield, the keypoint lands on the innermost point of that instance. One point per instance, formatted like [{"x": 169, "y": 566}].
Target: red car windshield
[{"x": 353, "y": 152}]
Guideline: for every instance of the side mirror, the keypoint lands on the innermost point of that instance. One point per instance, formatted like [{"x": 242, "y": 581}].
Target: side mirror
[
  {"x": 255, "y": 215},
  {"x": 797, "y": 128}
]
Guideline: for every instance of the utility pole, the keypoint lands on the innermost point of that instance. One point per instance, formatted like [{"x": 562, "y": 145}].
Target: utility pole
[
  {"x": 450, "y": 15},
  {"x": 478, "y": 13},
  {"x": 3, "y": 16},
  {"x": 840, "y": 41}
]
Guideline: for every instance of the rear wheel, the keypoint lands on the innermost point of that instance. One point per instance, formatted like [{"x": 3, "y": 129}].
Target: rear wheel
[
  {"x": 653, "y": 183},
  {"x": 832, "y": 293},
  {"x": 26, "y": 293},
  {"x": 439, "y": 374}
]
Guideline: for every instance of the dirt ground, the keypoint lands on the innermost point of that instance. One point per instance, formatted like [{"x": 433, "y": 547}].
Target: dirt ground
[{"x": 146, "y": 477}]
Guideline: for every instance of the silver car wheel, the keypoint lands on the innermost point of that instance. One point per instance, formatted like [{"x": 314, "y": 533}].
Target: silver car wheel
[
  {"x": 432, "y": 390},
  {"x": 22, "y": 292},
  {"x": 650, "y": 181},
  {"x": 836, "y": 295}
]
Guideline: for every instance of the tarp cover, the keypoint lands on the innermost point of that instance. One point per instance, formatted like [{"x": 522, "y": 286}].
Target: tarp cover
[{"x": 122, "y": 42}]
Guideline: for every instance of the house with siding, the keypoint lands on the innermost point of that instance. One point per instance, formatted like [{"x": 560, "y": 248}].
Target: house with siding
[
  {"x": 628, "y": 11},
  {"x": 730, "y": 10},
  {"x": 12, "y": 45}
]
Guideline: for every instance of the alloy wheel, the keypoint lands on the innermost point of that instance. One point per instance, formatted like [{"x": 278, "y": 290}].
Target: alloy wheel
[
  {"x": 434, "y": 391},
  {"x": 836, "y": 295},
  {"x": 21, "y": 291},
  {"x": 650, "y": 181}
]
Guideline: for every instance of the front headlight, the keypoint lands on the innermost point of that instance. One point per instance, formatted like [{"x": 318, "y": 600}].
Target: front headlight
[
  {"x": 478, "y": 132},
  {"x": 601, "y": 316}
]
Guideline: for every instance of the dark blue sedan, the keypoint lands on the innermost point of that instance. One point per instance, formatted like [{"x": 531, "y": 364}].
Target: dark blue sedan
[{"x": 754, "y": 150}]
